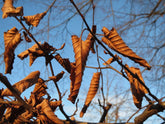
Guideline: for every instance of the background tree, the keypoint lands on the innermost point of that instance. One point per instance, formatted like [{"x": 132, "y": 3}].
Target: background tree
[{"x": 139, "y": 23}]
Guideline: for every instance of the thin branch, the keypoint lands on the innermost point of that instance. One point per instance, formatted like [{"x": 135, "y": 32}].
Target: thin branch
[
  {"x": 120, "y": 63},
  {"x": 51, "y": 6},
  {"x": 5, "y": 81}
]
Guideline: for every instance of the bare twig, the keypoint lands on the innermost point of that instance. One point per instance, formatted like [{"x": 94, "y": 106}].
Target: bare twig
[{"x": 120, "y": 63}]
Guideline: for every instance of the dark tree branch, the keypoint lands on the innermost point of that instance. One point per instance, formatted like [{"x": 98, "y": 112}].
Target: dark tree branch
[{"x": 120, "y": 63}]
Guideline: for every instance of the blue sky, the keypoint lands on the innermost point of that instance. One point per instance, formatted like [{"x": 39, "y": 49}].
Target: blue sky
[{"x": 62, "y": 34}]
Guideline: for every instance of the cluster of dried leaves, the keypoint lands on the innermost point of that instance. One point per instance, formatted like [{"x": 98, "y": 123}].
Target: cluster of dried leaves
[{"x": 42, "y": 109}]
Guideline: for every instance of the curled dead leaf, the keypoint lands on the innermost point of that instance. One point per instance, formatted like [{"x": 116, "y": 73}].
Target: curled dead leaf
[
  {"x": 35, "y": 52},
  {"x": 11, "y": 39},
  {"x": 57, "y": 77},
  {"x": 138, "y": 90},
  {"x": 78, "y": 72},
  {"x": 115, "y": 42},
  {"x": 55, "y": 104},
  {"x": 111, "y": 60},
  {"x": 22, "y": 85},
  {"x": 81, "y": 50},
  {"x": 90, "y": 37},
  {"x": 34, "y": 19},
  {"x": 92, "y": 92},
  {"x": 46, "y": 109},
  {"x": 9, "y": 10},
  {"x": 64, "y": 62}
]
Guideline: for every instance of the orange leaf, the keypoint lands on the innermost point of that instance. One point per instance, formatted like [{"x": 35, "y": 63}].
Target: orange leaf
[
  {"x": 9, "y": 10},
  {"x": 111, "y": 60},
  {"x": 55, "y": 104},
  {"x": 35, "y": 19},
  {"x": 77, "y": 46},
  {"x": 81, "y": 50},
  {"x": 35, "y": 52},
  {"x": 22, "y": 85},
  {"x": 46, "y": 109},
  {"x": 40, "y": 88},
  {"x": 90, "y": 37},
  {"x": 92, "y": 92},
  {"x": 57, "y": 77},
  {"x": 138, "y": 90},
  {"x": 11, "y": 38},
  {"x": 64, "y": 62},
  {"x": 115, "y": 42}
]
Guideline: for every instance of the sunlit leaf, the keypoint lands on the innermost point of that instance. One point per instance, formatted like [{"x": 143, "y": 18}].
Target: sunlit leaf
[
  {"x": 91, "y": 92},
  {"x": 34, "y": 19},
  {"x": 111, "y": 60},
  {"x": 35, "y": 52},
  {"x": 22, "y": 85},
  {"x": 138, "y": 90},
  {"x": 90, "y": 37},
  {"x": 57, "y": 77},
  {"x": 46, "y": 109},
  {"x": 77, "y": 46},
  {"x": 9, "y": 10},
  {"x": 64, "y": 62},
  {"x": 11, "y": 38},
  {"x": 115, "y": 42}
]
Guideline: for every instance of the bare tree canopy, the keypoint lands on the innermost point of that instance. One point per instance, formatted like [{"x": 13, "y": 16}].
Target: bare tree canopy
[{"x": 82, "y": 61}]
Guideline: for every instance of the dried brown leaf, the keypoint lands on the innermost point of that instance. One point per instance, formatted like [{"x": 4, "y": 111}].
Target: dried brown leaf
[
  {"x": 54, "y": 104},
  {"x": 34, "y": 19},
  {"x": 77, "y": 46},
  {"x": 11, "y": 39},
  {"x": 26, "y": 37},
  {"x": 115, "y": 42},
  {"x": 111, "y": 60},
  {"x": 22, "y": 85},
  {"x": 46, "y": 109},
  {"x": 64, "y": 62},
  {"x": 40, "y": 89},
  {"x": 92, "y": 92},
  {"x": 138, "y": 90},
  {"x": 9, "y": 10},
  {"x": 81, "y": 50},
  {"x": 35, "y": 52},
  {"x": 57, "y": 77},
  {"x": 90, "y": 37}
]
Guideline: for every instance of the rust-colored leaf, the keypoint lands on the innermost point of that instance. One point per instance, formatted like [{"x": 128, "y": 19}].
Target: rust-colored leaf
[
  {"x": 34, "y": 19},
  {"x": 115, "y": 42},
  {"x": 22, "y": 85},
  {"x": 40, "y": 88},
  {"x": 90, "y": 37},
  {"x": 26, "y": 37},
  {"x": 57, "y": 77},
  {"x": 11, "y": 38},
  {"x": 9, "y": 10},
  {"x": 92, "y": 92},
  {"x": 54, "y": 104},
  {"x": 77, "y": 46},
  {"x": 138, "y": 90},
  {"x": 81, "y": 50},
  {"x": 111, "y": 60},
  {"x": 35, "y": 52},
  {"x": 46, "y": 109},
  {"x": 64, "y": 62}
]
